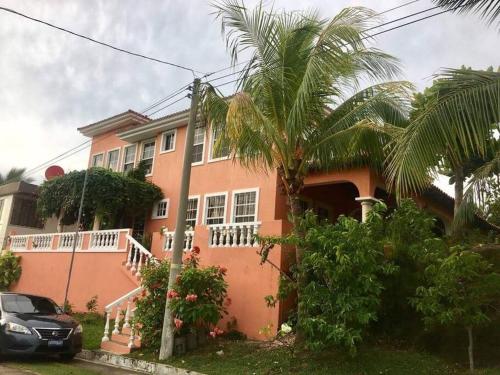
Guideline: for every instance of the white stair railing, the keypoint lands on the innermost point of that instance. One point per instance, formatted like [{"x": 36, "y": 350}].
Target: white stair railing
[
  {"x": 137, "y": 256},
  {"x": 233, "y": 235},
  {"x": 188, "y": 240},
  {"x": 124, "y": 303}
]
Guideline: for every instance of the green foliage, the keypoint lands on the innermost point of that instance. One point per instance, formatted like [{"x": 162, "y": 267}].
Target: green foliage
[
  {"x": 68, "y": 307},
  {"x": 342, "y": 268},
  {"x": 109, "y": 194},
  {"x": 10, "y": 270},
  {"x": 198, "y": 298},
  {"x": 14, "y": 175},
  {"x": 461, "y": 289},
  {"x": 92, "y": 305},
  {"x": 151, "y": 304},
  {"x": 138, "y": 173}
]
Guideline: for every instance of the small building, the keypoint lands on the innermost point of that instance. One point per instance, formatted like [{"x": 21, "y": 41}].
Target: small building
[{"x": 18, "y": 213}]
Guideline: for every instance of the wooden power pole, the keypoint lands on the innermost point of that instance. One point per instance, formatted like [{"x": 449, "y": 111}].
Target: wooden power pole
[{"x": 167, "y": 335}]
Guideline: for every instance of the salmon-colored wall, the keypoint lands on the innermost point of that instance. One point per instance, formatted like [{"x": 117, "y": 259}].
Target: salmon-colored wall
[{"x": 94, "y": 273}]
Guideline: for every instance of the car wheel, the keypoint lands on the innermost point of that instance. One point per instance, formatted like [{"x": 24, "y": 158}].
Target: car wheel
[{"x": 67, "y": 356}]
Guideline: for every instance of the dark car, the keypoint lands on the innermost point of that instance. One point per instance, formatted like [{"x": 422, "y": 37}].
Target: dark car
[{"x": 36, "y": 325}]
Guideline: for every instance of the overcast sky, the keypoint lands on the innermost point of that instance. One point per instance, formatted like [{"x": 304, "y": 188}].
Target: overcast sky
[{"x": 51, "y": 82}]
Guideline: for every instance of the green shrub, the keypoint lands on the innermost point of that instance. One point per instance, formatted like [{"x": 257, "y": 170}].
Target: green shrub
[
  {"x": 10, "y": 270},
  {"x": 92, "y": 305}
]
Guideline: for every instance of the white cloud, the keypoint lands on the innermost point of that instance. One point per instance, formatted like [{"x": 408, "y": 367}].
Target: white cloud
[{"x": 51, "y": 83}]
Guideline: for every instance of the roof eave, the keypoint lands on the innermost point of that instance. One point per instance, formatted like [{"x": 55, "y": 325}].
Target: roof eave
[{"x": 114, "y": 122}]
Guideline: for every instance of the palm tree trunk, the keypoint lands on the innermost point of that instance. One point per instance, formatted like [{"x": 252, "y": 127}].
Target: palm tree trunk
[
  {"x": 471, "y": 349},
  {"x": 296, "y": 213},
  {"x": 459, "y": 189}
]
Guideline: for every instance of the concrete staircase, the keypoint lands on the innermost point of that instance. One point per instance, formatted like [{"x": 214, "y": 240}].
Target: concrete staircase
[{"x": 119, "y": 343}]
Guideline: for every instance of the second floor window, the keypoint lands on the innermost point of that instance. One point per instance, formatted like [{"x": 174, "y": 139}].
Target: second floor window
[
  {"x": 129, "y": 158},
  {"x": 168, "y": 141},
  {"x": 245, "y": 207},
  {"x": 222, "y": 152},
  {"x": 198, "y": 144},
  {"x": 160, "y": 210},
  {"x": 148, "y": 153},
  {"x": 192, "y": 212},
  {"x": 113, "y": 158},
  {"x": 98, "y": 160},
  {"x": 24, "y": 213},
  {"x": 215, "y": 207}
]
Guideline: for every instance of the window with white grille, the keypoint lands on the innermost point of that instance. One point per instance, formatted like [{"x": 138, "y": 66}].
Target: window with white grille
[
  {"x": 113, "y": 159},
  {"x": 168, "y": 141},
  {"x": 98, "y": 160},
  {"x": 148, "y": 153},
  {"x": 198, "y": 144},
  {"x": 192, "y": 212},
  {"x": 222, "y": 152},
  {"x": 129, "y": 158},
  {"x": 215, "y": 209},
  {"x": 245, "y": 206},
  {"x": 160, "y": 210}
]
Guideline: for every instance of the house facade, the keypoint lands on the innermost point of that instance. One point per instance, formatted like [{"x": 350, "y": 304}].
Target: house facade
[{"x": 228, "y": 205}]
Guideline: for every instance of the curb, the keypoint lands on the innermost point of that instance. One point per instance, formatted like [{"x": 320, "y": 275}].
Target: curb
[{"x": 102, "y": 357}]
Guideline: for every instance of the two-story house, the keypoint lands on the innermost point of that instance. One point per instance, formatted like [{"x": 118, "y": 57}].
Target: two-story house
[{"x": 228, "y": 204}]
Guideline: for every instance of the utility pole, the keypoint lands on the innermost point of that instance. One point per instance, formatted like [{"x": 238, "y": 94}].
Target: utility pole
[
  {"x": 75, "y": 239},
  {"x": 167, "y": 334}
]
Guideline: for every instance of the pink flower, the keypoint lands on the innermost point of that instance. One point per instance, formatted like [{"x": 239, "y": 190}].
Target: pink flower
[
  {"x": 178, "y": 323},
  {"x": 213, "y": 334},
  {"x": 196, "y": 250},
  {"x": 191, "y": 297},
  {"x": 172, "y": 294},
  {"x": 218, "y": 331}
]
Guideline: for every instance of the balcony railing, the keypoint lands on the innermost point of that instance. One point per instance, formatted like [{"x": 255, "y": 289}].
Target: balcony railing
[
  {"x": 188, "y": 240},
  {"x": 103, "y": 240},
  {"x": 233, "y": 235}
]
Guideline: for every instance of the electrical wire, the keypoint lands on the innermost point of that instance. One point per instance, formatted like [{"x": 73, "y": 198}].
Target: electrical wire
[{"x": 99, "y": 42}]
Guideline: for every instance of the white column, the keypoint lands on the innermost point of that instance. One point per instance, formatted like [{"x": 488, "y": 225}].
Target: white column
[{"x": 366, "y": 206}]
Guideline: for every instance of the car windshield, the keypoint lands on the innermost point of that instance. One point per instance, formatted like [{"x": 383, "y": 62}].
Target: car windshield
[{"x": 14, "y": 303}]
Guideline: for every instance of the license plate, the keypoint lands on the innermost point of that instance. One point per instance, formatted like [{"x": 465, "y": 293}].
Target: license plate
[{"x": 55, "y": 343}]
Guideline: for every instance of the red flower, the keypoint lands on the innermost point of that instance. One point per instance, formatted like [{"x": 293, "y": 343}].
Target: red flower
[
  {"x": 196, "y": 250},
  {"x": 222, "y": 270},
  {"x": 228, "y": 301},
  {"x": 135, "y": 299},
  {"x": 218, "y": 331},
  {"x": 178, "y": 323},
  {"x": 172, "y": 294},
  {"x": 191, "y": 297}
]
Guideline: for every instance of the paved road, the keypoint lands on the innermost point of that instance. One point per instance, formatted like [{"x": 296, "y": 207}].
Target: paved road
[{"x": 97, "y": 368}]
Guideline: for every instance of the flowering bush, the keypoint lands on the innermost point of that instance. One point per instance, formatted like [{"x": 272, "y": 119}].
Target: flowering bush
[
  {"x": 198, "y": 299},
  {"x": 151, "y": 303}
]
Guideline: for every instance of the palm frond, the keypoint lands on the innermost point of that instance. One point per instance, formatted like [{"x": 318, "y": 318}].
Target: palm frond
[{"x": 488, "y": 9}]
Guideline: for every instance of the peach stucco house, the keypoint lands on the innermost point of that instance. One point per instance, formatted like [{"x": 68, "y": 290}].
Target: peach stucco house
[{"x": 228, "y": 204}]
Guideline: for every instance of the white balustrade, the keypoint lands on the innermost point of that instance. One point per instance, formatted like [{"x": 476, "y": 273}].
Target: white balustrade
[
  {"x": 188, "y": 240},
  {"x": 137, "y": 256},
  {"x": 42, "y": 241},
  {"x": 124, "y": 303},
  {"x": 233, "y": 235},
  {"x": 18, "y": 242},
  {"x": 66, "y": 241},
  {"x": 104, "y": 239}
]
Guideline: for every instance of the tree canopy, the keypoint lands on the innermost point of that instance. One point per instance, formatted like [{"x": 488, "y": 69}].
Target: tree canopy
[
  {"x": 109, "y": 195},
  {"x": 13, "y": 175}
]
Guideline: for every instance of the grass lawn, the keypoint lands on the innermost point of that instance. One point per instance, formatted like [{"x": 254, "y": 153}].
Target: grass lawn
[
  {"x": 93, "y": 329},
  {"x": 254, "y": 358}
]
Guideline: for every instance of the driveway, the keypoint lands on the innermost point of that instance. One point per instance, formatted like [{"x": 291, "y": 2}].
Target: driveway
[{"x": 48, "y": 367}]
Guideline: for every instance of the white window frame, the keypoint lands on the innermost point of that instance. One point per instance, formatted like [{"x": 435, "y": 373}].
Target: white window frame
[
  {"x": 197, "y": 208},
  {"x": 122, "y": 167},
  {"x": 154, "y": 214},
  {"x": 204, "y": 143},
  {"x": 163, "y": 135},
  {"x": 154, "y": 153},
  {"x": 117, "y": 160},
  {"x": 92, "y": 160},
  {"x": 211, "y": 141},
  {"x": 233, "y": 205},
  {"x": 205, "y": 206}
]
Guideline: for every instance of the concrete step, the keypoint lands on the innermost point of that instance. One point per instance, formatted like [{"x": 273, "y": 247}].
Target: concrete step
[
  {"x": 115, "y": 347},
  {"x": 123, "y": 338}
]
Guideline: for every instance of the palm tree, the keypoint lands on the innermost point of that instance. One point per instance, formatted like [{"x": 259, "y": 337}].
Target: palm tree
[
  {"x": 489, "y": 9},
  {"x": 13, "y": 175},
  {"x": 292, "y": 112},
  {"x": 456, "y": 129}
]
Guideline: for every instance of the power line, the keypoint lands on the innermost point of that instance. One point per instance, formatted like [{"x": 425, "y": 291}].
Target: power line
[
  {"x": 99, "y": 42},
  {"x": 168, "y": 105},
  {"x": 163, "y": 100}
]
